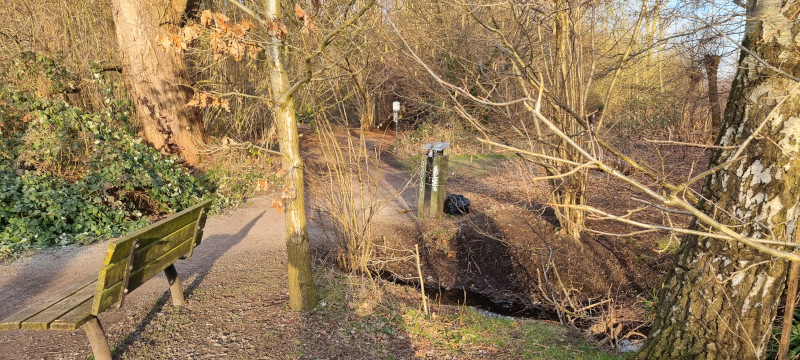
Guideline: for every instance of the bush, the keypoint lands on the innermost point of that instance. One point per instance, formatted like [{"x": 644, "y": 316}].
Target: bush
[{"x": 69, "y": 176}]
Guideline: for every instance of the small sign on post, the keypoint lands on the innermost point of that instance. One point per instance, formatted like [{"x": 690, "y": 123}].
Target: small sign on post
[
  {"x": 395, "y": 109},
  {"x": 433, "y": 180}
]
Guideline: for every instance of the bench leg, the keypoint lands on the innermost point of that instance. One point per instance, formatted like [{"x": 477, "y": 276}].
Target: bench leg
[
  {"x": 97, "y": 339},
  {"x": 174, "y": 285}
]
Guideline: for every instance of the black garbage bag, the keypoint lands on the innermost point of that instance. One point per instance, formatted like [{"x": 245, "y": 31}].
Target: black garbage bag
[{"x": 456, "y": 205}]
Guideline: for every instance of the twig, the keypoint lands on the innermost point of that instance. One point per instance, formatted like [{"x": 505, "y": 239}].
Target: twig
[{"x": 421, "y": 283}]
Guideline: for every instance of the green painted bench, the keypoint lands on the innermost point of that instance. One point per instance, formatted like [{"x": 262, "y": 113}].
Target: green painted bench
[{"x": 129, "y": 262}]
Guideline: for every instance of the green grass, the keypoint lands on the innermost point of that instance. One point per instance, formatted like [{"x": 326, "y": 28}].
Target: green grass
[
  {"x": 553, "y": 342},
  {"x": 668, "y": 245},
  {"x": 514, "y": 339},
  {"x": 355, "y": 309},
  {"x": 476, "y": 165}
]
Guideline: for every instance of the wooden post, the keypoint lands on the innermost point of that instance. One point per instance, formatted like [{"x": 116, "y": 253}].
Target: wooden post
[
  {"x": 174, "y": 285},
  {"x": 97, "y": 339}
]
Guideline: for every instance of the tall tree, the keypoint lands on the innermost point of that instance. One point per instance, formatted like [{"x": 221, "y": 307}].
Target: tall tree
[
  {"x": 156, "y": 76},
  {"x": 721, "y": 299},
  {"x": 302, "y": 294}
]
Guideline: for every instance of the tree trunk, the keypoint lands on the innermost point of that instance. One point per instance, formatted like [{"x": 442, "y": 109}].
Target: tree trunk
[
  {"x": 155, "y": 77},
  {"x": 569, "y": 190},
  {"x": 368, "y": 112},
  {"x": 721, "y": 298},
  {"x": 687, "y": 116},
  {"x": 711, "y": 63},
  {"x": 302, "y": 294}
]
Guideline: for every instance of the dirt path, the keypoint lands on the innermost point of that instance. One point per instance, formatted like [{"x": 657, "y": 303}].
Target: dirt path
[{"x": 243, "y": 235}]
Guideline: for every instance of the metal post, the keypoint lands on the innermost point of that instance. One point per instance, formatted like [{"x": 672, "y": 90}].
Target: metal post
[
  {"x": 433, "y": 180},
  {"x": 423, "y": 181},
  {"x": 395, "y": 109}
]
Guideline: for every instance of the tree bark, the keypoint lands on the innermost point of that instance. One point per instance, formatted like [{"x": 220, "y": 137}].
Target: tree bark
[
  {"x": 722, "y": 297},
  {"x": 711, "y": 63},
  {"x": 302, "y": 294},
  {"x": 156, "y": 78}
]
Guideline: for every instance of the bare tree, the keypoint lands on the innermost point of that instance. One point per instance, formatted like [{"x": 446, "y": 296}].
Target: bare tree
[
  {"x": 722, "y": 296},
  {"x": 721, "y": 299},
  {"x": 302, "y": 294}
]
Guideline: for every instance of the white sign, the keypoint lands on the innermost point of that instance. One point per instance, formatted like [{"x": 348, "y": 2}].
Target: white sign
[{"x": 435, "y": 178}]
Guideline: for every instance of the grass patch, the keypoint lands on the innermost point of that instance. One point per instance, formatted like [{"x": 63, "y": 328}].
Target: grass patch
[
  {"x": 668, "y": 245},
  {"x": 359, "y": 310}
]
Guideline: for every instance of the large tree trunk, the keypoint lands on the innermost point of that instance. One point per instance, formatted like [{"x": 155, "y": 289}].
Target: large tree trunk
[
  {"x": 721, "y": 299},
  {"x": 302, "y": 294},
  {"x": 155, "y": 77},
  {"x": 711, "y": 63}
]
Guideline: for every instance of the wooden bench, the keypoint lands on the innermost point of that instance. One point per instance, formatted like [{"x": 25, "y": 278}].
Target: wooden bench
[{"x": 129, "y": 262}]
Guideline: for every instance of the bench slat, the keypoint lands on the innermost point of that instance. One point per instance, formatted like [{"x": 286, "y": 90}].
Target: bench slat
[
  {"x": 14, "y": 321},
  {"x": 108, "y": 297},
  {"x": 120, "y": 248},
  {"x": 75, "y": 318},
  {"x": 42, "y": 320},
  {"x": 114, "y": 273},
  {"x": 201, "y": 226}
]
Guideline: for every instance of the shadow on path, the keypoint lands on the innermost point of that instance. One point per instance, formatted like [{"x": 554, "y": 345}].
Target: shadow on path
[{"x": 200, "y": 265}]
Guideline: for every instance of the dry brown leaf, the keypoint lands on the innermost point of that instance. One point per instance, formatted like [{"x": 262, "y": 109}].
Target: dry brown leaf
[
  {"x": 277, "y": 29},
  {"x": 298, "y": 10},
  {"x": 223, "y": 103},
  {"x": 177, "y": 43},
  {"x": 280, "y": 173},
  {"x": 236, "y": 49},
  {"x": 263, "y": 184},
  {"x": 238, "y": 30},
  {"x": 216, "y": 42},
  {"x": 221, "y": 19},
  {"x": 253, "y": 50},
  {"x": 246, "y": 25},
  {"x": 190, "y": 34},
  {"x": 205, "y": 18},
  {"x": 283, "y": 32}
]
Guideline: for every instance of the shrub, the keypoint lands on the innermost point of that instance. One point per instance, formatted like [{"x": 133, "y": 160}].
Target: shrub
[{"x": 71, "y": 176}]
